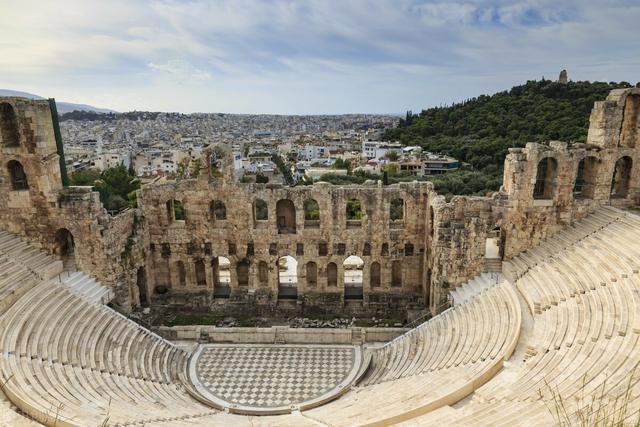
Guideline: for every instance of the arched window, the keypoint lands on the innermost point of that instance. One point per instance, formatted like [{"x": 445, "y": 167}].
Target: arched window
[
  {"x": 18, "y": 177},
  {"x": 586, "y": 176},
  {"x": 287, "y": 277},
  {"x": 261, "y": 211},
  {"x": 65, "y": 246},
  {"x": 353, "y": 271},
  {"x": 354, "y": 210},
  {"x": 375, "y": 275},
  {"x": 218, "y": 211},
  {"x": 201, "y": 275},
  {"x": 629, "y": 131},
  {"x": 141, "y": 282},
  {"x": 311, "y": 210},
  {"x": 621, "y": 177},
  {"x": 221, "y": 277},
  {"x": 9, "y": 126},
  {"x": 263, "y": 272},
  {"x": 545, "y": 179},
  {"x": 182, "y": 273},
  {"x": 178, "y": 210},
  {"x": 332, "y": 274},
  {"x": 396, "y": 273},
  {"x": 396, "y": 210},
  {"x": 242, "y": 273},
  {"x": 312, "y": 274},
  {"x": 286, "y": 216}
]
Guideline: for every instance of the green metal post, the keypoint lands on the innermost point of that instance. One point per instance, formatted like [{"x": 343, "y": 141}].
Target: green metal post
[{"x": 59, "y": 145}]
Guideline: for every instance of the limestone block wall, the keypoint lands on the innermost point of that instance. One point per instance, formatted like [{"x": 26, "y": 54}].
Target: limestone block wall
[
  {"x": 460, "y": 231},
  {"x": 242, "y": 238}
]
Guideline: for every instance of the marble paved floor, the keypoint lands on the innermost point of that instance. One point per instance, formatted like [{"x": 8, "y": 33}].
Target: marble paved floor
[{"x": 267, "y": 376}]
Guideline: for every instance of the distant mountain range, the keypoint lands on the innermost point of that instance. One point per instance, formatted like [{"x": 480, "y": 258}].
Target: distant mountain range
[{"x": 63, "y": 107}]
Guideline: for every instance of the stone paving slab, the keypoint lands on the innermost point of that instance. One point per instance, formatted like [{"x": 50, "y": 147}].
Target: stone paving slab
[{"x": 269, "y": 376}]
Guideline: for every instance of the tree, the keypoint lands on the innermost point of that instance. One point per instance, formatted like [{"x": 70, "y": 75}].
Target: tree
[
  {"x": 392, "y": 156},
  {"x": 392, "y": 169},
  {"x": 85, "y": 177},
  {"x": 261, "y": 179}
]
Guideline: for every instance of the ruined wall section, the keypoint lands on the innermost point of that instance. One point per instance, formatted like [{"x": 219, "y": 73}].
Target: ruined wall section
[
  {"x": 41, "y": 206},
  {"x": 461, "y": 228},
  {"x": 528, "y": 219},
  {"x": 243, "y": 238}
]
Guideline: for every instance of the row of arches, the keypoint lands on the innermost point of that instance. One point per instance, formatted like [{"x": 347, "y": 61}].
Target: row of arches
[
  {"x": 288, "y": 271},
  {"x": 586, "y": 178},
  {"x": 285, "y": 212}
]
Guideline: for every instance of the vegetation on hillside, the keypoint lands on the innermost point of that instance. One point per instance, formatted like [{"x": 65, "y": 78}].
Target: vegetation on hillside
[
  {"x": 480, "y": 130},
  {"x": 117, "y": 186}
]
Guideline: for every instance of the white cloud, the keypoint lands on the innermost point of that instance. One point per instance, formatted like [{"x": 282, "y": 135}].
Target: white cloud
[{"x": 316, "y": 55}]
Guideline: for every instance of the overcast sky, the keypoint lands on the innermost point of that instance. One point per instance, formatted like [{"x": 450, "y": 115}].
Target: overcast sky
[{"x": 307, "y": 56}]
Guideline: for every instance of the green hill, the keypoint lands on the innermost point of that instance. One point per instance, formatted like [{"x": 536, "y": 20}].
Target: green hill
[{"x": 479, "y": 131}]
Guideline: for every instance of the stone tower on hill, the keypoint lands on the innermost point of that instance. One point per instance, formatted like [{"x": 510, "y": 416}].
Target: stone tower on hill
[{"x": 563, "y": 77}]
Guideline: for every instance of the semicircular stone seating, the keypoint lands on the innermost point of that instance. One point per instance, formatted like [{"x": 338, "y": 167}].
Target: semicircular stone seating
[{"x": 563, "y": 329}]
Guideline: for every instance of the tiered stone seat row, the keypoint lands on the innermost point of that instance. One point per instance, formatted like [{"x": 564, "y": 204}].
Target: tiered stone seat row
[
  {"x": 87, "y": 287},
  {"x": 435, "y": 364},
  {"x": 474, "y": 286},
  {"x": 483, "y": 329},
  {"x": 62, "y": 350},
  {"x": 560, "y": 241},
  {"x": 21, "y": 267},
  {"x": 584, "y": 345},
  {"x": 41, "y": 265}
]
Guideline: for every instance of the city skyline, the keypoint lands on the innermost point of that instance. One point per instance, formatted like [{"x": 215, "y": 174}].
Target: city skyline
[{"x": 312, "y": 57}]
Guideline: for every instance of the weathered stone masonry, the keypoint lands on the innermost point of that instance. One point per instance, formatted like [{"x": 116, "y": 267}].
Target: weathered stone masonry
[{"x": 166, "y": 252}]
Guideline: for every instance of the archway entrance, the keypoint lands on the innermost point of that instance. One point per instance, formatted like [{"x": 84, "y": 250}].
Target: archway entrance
[
  {"x": 65, "y": 248},
  {"x": 353, "y": 273},
  {"x": 621, "y": 178},
  {"x": 287, "y": 278},
  {"x": 141, "y": 282},
  {"x": 221, "y": 277}
]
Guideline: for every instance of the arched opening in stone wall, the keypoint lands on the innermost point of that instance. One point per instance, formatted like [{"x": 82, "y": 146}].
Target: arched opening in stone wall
[
  {"x": 263, "y": 273},
  {"x": 311, "y": 214},
  {"x": 353, "y": 267},
  {"x": 217, "y": 210},
  {"x": 201, "y": 274},
  {"x": 163, "y": 278},
  {"x": 178, "y": 210},
  {"x": 221, "y": 277},
  {"x": 181, "y": 271},
  {"x": 354, "y": 210},
  {"x": 375, "y": 279},
  {"x": 65, "y": 248},
  {"x": 17, "y": 176},
  {"x": 141, "y": 283},
  {"x": 260, "y": 210},
  {"x": 427, "y": 291},
  {"x": 242, "y": 272},
  {"x": 396, "y": 274},
  {"x": 287, "y": 277},
  {"x": 9, "y": 126},
  {"x": 546, "y": 172},
  {"x": 586, "y": 176},
  {"x": 621, "y": 178},
  {"x": 332, "y": 275},
  {"x": 629, "y": 131},
  {"x": 286, "y": 216},
  {"x": 396, "y": 210},
  {"x": 312, "y": 274}
]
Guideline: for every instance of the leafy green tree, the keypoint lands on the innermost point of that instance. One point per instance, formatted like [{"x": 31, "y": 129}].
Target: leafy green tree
[
  {"x": 261, "y": 179},
  {"x": 85, "y": 177}
]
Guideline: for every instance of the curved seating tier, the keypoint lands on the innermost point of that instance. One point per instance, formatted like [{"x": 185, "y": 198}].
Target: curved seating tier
[
  {"x": 584, "y": 346},
  {"x": 21, "y": 267},
  {"x": 435, "y": 364}
]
